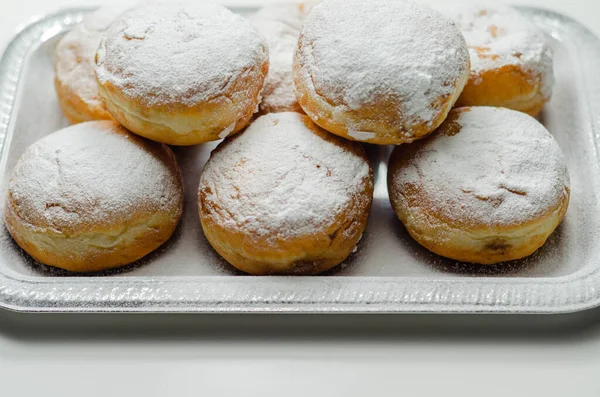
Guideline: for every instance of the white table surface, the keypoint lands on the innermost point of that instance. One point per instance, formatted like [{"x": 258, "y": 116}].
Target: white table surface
[{"x": 180, "y": 355}]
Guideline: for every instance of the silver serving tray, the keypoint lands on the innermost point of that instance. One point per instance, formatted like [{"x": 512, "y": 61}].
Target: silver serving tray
[{"x": 388, "y": 273}]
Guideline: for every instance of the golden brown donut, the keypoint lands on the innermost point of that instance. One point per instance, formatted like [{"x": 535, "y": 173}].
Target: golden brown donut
[
  {"x": 511, "y": 59},
  {"x": 74, "y": 77},
  {"x": 280, "y": 24},
  {"x": 285, "y": 197},
  {"x": 93, "y": 196},
  {"x": 490, "y": 185},
  {"x": 383, "y": 72},
  {"x": 182, "y": 73}
]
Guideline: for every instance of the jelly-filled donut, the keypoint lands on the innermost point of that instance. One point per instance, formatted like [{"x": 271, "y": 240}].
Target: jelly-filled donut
[
  {"x": 93, "y": 196},
  {"x": 511, "y": 59},
  {"x": 183, "y": 73},
  {"x": 285, "y": 197},
  {"x": 490, "y": 185},
  {"x": 383, "y": 72}
]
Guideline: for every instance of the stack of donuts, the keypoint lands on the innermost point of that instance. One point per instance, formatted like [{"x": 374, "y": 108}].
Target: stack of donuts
[{"x": 295, "y": 91}]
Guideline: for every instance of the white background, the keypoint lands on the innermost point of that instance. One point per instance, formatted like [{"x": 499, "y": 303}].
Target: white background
[{"x": 185, "y": 355}]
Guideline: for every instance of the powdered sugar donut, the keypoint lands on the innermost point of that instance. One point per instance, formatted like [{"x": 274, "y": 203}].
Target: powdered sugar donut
[
  {"x": 93, "y": 196},
  {"x": 182, "y": 73},
  {"x": 511, "y": 59},
  {"x": 285, "y": 197},
  {"x": 384, "y": 72},
  {"x": 280, "y": 24},
  {"x": 74, "y": 77},
  {"x": 490, "y": 185}
]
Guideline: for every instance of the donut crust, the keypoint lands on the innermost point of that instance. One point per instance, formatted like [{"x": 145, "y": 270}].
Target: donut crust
[
  {"x": 478, "y": 244},
  {"x": 182, "y": 125},
  {"x": 308, "y": 255},
  {"x": 508, "y": 86},
  {"x": 102, "y": 249},
  {"x": 380, "y": 117},
  {"x": 75, "y": 109}
]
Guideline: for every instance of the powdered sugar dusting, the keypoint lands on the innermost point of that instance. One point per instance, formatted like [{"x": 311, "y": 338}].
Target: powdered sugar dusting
[
  {"x": 280, "y": 24},
  {"x": 278, "y": 92},
  {"x": 500, "y": 167},
  {"x": 186, "y": 53},
  {"x": 278, "y": 177},
  {"x": 366, "y": 51},
  {"x": 74, "y": 56},
  {"x": 89, "y": 174},
  {"x": 291, "y": 14},
  {"x": 498, "y": 36}
]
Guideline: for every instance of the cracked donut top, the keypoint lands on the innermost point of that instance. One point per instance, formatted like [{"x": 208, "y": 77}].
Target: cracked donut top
[
  {"x": 486, "y": 167},
  {"x": 357, "y": 53},
  {"x": 284, "y": 177},
  {"x": 499, "y": 36},
  {"x": 92, "y": 175},
  {"x": 178, "y": 54}
]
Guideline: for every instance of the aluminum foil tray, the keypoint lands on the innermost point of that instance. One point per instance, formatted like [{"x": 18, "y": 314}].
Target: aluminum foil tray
[{"x": 388, "y": 273}]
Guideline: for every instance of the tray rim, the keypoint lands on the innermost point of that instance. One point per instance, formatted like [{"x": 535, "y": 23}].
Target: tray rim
[{"x": 574, "y": 292}]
